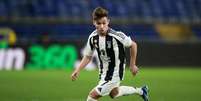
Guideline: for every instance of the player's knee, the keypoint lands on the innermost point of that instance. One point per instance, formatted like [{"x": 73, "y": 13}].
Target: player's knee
[
  {"x": 112, "y": 96},
  {"x": 93, "y": 94},
  {"x": 114, "y": 93}
]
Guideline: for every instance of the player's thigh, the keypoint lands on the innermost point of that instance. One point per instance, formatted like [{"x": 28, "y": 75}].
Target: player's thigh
[{"x": 104, "y": 88}]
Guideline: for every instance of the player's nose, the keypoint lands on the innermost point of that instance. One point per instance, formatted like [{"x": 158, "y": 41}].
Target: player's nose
[{"x": 101, "y": 26}]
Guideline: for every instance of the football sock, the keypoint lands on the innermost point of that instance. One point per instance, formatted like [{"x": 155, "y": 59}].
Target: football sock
[
  {"x": 91, "y": 99},
  {"x": 126, "y": 90}
]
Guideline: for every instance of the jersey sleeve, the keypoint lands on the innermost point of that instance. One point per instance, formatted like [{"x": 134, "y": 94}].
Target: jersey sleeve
[
  {"x": 89, "y": 49},
  {"x": 127, "y": 41},
  {"x": 124, "y": 39}
]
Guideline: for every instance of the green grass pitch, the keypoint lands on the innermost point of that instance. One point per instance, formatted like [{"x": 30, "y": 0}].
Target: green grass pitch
[{"x": 166, "y": 84}]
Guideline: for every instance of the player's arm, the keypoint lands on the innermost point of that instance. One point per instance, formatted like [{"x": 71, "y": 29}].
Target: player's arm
[
  {"x": 133, "y": 55},
  {"x": 88, "y": 52},
  {"x": 127, "y": 42},
  {"x": 85, "y": 60}
]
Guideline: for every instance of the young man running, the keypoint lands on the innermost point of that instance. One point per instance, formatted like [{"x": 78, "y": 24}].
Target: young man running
[{"x": 110, "y": 45}]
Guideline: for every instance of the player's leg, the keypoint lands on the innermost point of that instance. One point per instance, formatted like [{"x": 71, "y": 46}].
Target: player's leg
[
  {"x": 127, "y": 90},
  {"x": 93, "y": 96},
  {"x": 102, "y": 89},
  {"x": 114, "y": 92}
]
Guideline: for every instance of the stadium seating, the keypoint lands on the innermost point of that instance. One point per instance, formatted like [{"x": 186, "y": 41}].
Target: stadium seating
[
  {"x": 147, "y": 11},
  {"x": 165, "y": 10}
]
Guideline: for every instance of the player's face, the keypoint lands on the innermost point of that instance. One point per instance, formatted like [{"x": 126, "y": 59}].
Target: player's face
[{"x": 101, "y": 25}]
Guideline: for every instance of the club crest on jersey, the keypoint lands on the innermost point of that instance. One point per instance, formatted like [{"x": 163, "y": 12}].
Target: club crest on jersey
[
  {"x": 108, "y": 44},
  {"x": 95, "y": 41}
]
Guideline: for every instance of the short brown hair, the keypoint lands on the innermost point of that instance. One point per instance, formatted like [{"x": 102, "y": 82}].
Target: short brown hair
[{"x": 99, "y": 12}]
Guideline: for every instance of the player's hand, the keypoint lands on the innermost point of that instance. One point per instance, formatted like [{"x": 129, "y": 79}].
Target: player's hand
[
  {"x": 134, "y": 69},
  {"x": 74, "y": 75}
]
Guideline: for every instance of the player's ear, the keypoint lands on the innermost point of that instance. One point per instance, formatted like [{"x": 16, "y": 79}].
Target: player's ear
[
  {"x": 94, "y": 22},
  {"x": 108, "y": 20}
]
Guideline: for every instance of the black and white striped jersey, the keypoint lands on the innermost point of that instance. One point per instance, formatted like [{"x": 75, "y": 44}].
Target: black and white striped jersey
[{"x": 111, "y": 53}]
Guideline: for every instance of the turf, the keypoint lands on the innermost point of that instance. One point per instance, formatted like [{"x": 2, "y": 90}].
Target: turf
[{"x": 169, "y": 84}]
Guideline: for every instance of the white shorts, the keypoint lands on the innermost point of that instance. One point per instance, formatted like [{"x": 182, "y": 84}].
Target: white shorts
[{"x": 105, "y": 87}]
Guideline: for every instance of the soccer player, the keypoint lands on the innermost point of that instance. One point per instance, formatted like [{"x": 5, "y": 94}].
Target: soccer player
[{"x": 109, "y": 45}]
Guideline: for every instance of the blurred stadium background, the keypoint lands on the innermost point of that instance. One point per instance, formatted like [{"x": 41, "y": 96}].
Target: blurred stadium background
[{"x": 49, "y": 35}]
